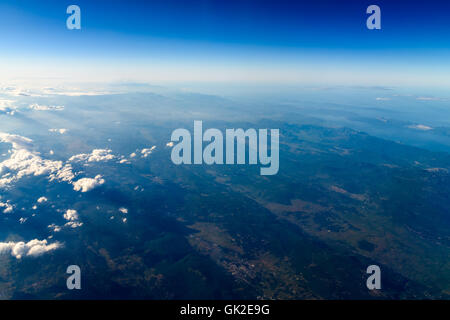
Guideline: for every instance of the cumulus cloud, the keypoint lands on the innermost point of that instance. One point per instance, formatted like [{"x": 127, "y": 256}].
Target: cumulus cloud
[
  {"x": 54, "y": 227},
  {"x": 6, "y": 207},
  {"x": 38, "y": 107},
  {"x": 17, "y": 142},
  {"x": 42, "y": 200},
  {"x": 64, "y": 174},
  {"x": 147, "y": 151},
  {"x": 60, "y": 131},
  {"x": 32, "y": 248},
  {"x": 87, "y": 184},
  {"x": 72, "y": 217},
  {"x": 25, "y": 162},
  {"x": 74, "y": 224},
  {"x": 96, "y": 155},
  {"x": 7, "y": 107}
]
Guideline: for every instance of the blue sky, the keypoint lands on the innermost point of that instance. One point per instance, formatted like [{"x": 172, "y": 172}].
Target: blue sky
[{"x": 316, "y": 42}]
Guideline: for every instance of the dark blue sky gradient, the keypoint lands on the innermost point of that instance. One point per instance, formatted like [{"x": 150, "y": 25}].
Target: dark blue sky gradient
[
  {"x": 415, "y": 33},
  {"x": 304, "y": 24}
]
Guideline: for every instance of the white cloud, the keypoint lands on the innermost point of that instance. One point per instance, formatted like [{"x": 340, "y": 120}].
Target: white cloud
[
  {"x": 23, "y": 162},
  {"x": 38, "y": 107},
  {"x": 73, "y": 92},
  {"x": 54, "y": 227},
  {"x": 7, "y": 207},
  {"x": 74, "y": 224},
  {"x": 87, "y": 184},
  {"x": 64, "y": 174},
  {"x": 147, "y": 151},
  {"x": 42, "y": 200},
  {"x": 17, "y": 142},
  {"x": 382, "y": 99},
  {"x": 7, "y": 107},
  {"x": 17, "y": 92},
  {"x": 60, "y": 131},
  {"x": 72, "y": 217},
  {"x": 32, "y": 248},
  {"x": 96, "y": 155},
  {"x": 27, "y": 163},
  {"x": 420, "y": 127}
]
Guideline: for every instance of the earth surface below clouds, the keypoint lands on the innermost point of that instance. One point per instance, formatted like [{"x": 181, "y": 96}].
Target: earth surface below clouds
[{"x": 87, "y": 180}]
